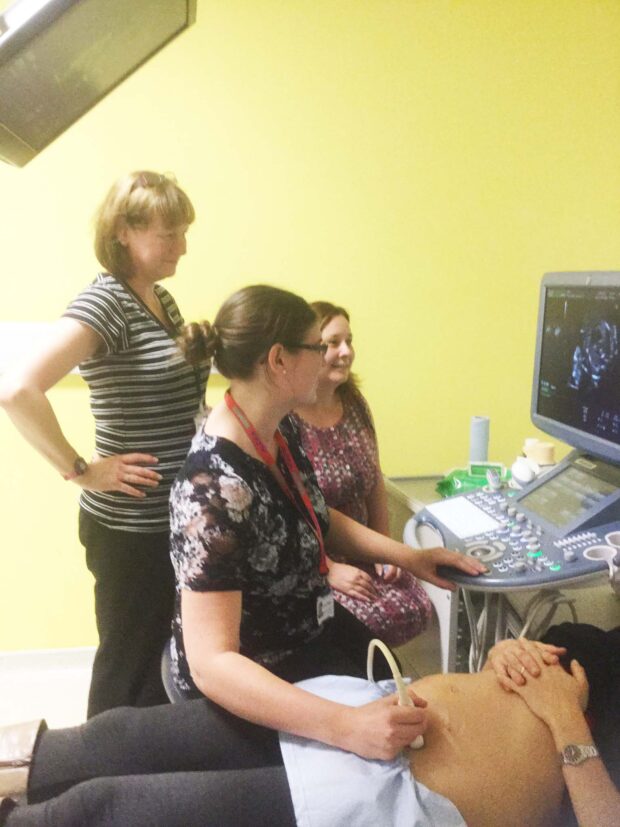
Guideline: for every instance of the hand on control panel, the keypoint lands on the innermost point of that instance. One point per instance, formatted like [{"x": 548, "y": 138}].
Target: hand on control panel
[{"x": 426, "y": 564}]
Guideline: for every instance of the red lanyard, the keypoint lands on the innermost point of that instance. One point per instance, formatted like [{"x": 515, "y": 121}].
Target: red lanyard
[{"x": 309, "y": 515}]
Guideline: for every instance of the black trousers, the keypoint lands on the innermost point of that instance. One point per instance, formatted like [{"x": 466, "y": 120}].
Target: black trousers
[
  {"x": 134, "y": 602},
  {"x": 598, "y": 651},
  {"x": 227, "y": 798},
  {"x": 184, "y": 765}
]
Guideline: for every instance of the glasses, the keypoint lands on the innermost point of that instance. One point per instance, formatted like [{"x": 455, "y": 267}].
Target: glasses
[{"x": 318, "y": 348}]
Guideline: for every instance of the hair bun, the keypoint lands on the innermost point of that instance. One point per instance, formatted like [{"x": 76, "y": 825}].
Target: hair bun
[{"x": 198, "y": 342}]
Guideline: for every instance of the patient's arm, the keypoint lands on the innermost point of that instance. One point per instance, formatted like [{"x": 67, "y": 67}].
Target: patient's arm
[{"x": 558, "y": 699}]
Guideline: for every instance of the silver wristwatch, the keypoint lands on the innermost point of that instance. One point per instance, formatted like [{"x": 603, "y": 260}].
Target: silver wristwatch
[{"x": 575, "y": 754}]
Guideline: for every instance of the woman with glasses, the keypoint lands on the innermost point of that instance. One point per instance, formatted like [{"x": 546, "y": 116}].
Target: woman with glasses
[
  {"x": 251, "y": 533},
  {"x": 121, "y": 331},
  {"x": 338, "y": 435}
]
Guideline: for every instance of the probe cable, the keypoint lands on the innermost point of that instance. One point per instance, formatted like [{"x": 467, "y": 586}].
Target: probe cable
[{"x": 403, "y": 696}]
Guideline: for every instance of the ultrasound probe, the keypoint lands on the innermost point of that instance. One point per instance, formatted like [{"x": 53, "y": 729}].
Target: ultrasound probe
[{"x": 404, "y": 699}]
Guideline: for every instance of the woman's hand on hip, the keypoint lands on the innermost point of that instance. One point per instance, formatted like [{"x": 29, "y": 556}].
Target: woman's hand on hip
[
  {"x": 351, "y": 581},
  {"x": 382, "y": 729},
  {"x": 120, "y": 472}
]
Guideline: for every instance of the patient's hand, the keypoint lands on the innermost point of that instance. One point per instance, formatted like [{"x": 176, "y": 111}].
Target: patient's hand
[
  {"x": 556, "y": 694},
  {"x": 514, "y": 660}
]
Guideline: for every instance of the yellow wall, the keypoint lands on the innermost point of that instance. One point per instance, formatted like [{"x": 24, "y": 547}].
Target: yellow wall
[{"x": 421, "y": 161}]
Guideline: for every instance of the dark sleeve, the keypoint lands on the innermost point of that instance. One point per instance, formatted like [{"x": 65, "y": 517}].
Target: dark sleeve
[
  {"x": 99, "y": 309},
  {"x": 210, "y": 531}
]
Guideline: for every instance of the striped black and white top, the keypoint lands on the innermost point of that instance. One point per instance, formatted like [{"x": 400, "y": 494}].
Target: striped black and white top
[{"x": 143, "y": 394}]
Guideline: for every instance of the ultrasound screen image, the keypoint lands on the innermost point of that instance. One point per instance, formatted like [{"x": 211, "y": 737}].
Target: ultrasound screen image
[{"x": 579, "y": 380}]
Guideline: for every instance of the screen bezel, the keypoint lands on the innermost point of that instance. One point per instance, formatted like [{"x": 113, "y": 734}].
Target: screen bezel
[{"x": 572, "y": 436}]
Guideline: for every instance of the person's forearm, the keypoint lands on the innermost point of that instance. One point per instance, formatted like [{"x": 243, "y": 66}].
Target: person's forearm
[
  {"x": 595, "y": 799},
  {"x": 23, "y": 389},
  {"x": 354, "y": 542},
  {"x": 252, "y": 692},
  {"x": 33, "y": 416}
]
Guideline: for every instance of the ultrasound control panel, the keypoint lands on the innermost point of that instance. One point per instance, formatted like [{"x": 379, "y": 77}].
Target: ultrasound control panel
[{"x": 519, "y": 550}]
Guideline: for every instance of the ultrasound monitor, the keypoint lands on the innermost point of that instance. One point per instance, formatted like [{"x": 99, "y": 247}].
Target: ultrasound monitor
[{"x": 576, "y": 388}]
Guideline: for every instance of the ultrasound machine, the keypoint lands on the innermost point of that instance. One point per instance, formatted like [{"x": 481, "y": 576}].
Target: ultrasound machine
[{"x": 563, "y": 529}]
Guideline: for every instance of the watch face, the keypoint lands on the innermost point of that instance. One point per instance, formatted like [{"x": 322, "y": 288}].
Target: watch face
[
  {"x": 572, "y": 754},
  {"x": 578, "y": 753}
]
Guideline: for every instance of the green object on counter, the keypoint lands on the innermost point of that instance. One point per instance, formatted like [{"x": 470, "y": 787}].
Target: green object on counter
[{"x": 460, "y": 481}]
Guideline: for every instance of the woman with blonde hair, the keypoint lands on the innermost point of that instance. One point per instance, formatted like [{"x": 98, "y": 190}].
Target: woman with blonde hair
[{"x": 121, "y": 331}]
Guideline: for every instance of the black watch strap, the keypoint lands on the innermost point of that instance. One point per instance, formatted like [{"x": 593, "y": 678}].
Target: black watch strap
[{"x": 80, "y": 466}]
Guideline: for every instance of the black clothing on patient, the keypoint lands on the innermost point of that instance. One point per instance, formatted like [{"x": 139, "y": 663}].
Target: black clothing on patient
[{"x": 598, "y": 651}]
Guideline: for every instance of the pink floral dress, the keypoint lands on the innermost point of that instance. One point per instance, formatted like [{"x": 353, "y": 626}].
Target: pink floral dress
[{"x": 345, "y": 461}]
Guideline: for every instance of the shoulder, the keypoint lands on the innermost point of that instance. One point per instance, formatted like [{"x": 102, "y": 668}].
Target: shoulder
[
  {"x": 100, "y": 306},
  {"x": 291, "y": 428},
  {"x": 213, "y": 480},
  {"x": 356, "y": 407},
  {"x": 103, "y": 295},
  {"x": 290, "y": 425},
  {"x": 213, "y": 462},
  {"x": 304, "y": 460},
  {"x": 294, "y": 418},
  {"x": 305, "y": 430}
]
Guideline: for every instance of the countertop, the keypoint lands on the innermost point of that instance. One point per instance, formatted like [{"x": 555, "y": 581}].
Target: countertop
[{"x": 414, "y": 492}]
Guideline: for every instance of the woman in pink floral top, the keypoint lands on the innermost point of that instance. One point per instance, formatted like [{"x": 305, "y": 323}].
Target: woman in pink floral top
[{"x": 339, "y": 437}]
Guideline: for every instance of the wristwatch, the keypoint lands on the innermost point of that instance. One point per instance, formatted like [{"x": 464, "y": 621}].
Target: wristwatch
[
  {"x": 80, "y": 466},
  {"x": 575, "y": 754}
]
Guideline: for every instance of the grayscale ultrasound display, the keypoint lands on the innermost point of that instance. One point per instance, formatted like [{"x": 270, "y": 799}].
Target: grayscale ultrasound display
[{"x": 579, "y": 381}]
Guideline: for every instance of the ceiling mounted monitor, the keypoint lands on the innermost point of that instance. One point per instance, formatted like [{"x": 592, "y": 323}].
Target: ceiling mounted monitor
[{"x": 58, "y": 58}]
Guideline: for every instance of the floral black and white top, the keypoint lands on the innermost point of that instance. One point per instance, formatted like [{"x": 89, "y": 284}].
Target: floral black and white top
[{"x": 234, "y": 529}]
